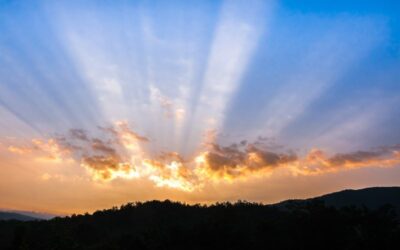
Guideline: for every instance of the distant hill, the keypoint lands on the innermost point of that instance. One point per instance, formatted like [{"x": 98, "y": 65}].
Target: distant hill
[
  {"x": 371, "y": 198},
  {"x": 16, "y": 216},
  {"x": 38, "y": 215}
]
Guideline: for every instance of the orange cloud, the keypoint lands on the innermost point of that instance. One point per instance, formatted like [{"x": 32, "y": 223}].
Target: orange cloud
[
  {"x": 43, "y": 150},
  {"x": 317, "y": 162},
  {"x": 233, "y": 161},
  {"x": 118, "y": 153},
  {"x": 108, "y": 167},
  {"x": 19, "y": 150}
]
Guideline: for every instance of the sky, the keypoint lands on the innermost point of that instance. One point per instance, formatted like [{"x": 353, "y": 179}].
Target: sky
[{"x": 108, "y": 102}]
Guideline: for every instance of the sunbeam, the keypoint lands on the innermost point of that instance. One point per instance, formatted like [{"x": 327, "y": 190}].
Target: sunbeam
[{"x": 198, "y": 101}]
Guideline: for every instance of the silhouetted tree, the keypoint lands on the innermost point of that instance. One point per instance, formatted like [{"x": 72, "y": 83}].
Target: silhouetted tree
[{"x": 242, "y": 225}]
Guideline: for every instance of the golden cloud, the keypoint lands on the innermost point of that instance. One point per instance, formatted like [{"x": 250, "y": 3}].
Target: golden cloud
[
  {"x": 43, "y": 150},
  {"x": 118, "y": 153}
]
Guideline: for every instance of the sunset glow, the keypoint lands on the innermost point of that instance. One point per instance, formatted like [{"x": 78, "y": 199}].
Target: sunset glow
[{"x": 103, "y": 102}]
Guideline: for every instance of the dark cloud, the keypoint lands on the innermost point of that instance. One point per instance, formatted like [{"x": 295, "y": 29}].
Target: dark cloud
[
  {"x": 355, "y": 157},
  {"x": 79, "y": 134},
  {"x": 103, "y": 147},
  {"x": 239, "y": 159}
]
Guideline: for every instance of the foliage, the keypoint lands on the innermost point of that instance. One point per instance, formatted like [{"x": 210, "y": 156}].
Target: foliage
[{"x": 242, "y": 225}]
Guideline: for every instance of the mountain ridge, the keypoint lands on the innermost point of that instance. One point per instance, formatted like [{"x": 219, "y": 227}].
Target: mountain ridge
[
  {"x": 370, "y": 197},
  {"x": 307, "y": 224},
  {"x": 16, "y": 216}
]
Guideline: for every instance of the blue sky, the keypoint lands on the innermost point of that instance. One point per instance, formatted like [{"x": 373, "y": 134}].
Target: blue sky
[
  {"x": 305, "y": 68},
  {"x": 304, "y": 74}
]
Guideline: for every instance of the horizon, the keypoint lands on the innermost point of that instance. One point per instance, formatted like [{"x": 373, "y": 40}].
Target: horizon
[
  {"x": 48, "y": 215},
  {"x": 108, "y": 102}
]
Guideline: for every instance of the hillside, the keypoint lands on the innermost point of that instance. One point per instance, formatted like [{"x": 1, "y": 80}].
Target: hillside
[
  {"x": 372, "y": 198},
  {"x": 309, "y": 224},
  {"x": 15, "y": 216}
]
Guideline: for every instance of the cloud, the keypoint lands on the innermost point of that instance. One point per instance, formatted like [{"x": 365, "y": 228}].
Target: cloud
[
  {"x": 356, "y": 157},
  {"x": 245, "y": 160},
  {"x": 79, "y": 134},
  {"x": 126, "y": 132},
  {"x": 107, "y": 167},
  {"x": 19, "y": 150},
  {"x": 171, "y": 172},
  {"x": 100, "y": 146},
  {"x": 117, "y": 153},
  {"x": 239, "y": 160},
  {"x": 43, "y": 150},
  {"x": 317, "y": 161}
]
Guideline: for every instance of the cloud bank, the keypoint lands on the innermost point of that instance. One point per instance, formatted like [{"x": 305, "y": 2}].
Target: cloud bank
[{"x": 118, "y": 152}]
